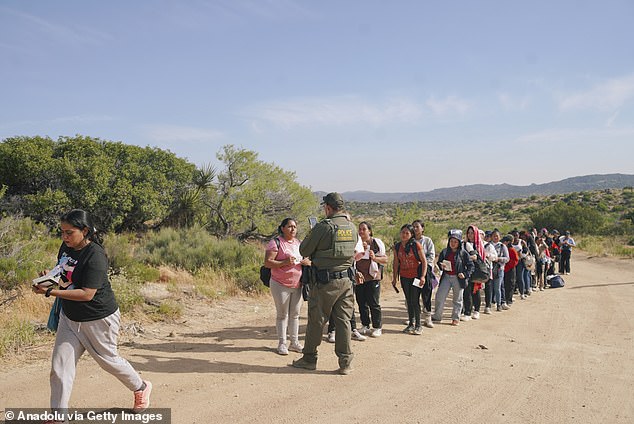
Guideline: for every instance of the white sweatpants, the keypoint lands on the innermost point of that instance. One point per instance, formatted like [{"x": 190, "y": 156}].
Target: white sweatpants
[{"x": 99, "y": 338}]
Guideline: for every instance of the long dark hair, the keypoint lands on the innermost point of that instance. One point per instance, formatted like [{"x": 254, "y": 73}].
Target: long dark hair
[
  {"x": 81, "y": 219},
  {"x": 412, "y": 241}
]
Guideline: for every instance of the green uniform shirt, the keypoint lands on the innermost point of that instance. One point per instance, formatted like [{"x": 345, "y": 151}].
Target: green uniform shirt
[{"x": 318, "y": 244}]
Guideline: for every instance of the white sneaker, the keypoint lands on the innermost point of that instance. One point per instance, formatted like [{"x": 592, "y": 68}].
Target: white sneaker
[
  {"x": 282, "y": 349},
  {"x": 522, "y": 296},
  {"x": 427, "y": 323},
  {"x": 365, "y": 330},
  {"x": 505, "y": 307},
  {"x": 465, "y": 318},
  {"x": 331, "y": 337},
  {"x": 357, "y": 336},
  {"x": 487, "y": 311},
  {"x": 296, "y": 347},
  {"x": 476, "y": 315},
  {"x": 376, "y": 332}
]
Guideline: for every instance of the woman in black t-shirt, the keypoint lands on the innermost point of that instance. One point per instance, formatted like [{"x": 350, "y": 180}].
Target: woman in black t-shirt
[{"x": 89, "y": 318}]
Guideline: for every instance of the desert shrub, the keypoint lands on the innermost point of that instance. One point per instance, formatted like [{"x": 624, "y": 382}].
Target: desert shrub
[
  {"x": 142, "y": 272},
  {"x": 120, "y": 250},
  {"x": 127, "y": 292},
  {"x": 575, "y": 217},
  {"x": 25, "y": 249},
  {"x": 247, "y": 279},
  {"x": 194, "y": 248}
]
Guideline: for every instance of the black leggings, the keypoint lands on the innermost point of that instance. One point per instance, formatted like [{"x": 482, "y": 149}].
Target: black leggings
[
  {"x": 488, "y": 293},
  {"x": 367, "y": 295},
  {"x": 412, "y": 298},
  {"x": 427, "y": 290},
  {"x": 471, "y": 300}
]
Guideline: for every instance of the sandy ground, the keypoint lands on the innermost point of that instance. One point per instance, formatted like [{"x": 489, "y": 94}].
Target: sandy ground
[{"x": 561, "y": 356}]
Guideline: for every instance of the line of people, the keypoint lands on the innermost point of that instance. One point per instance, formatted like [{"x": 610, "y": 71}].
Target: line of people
[
  {"x": 351, "y": 260},
  {"x": 484, "y": 265}
]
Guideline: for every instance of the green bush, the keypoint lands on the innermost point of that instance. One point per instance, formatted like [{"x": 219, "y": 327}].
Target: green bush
[
  {"x": 194, "y": 248},
  {"x": 143, "y": 273},
  {"x": 247, "y": 279},
  {"x": 127, "y": 292},
  {"x": 120, "y": 250},
  {"x": 575, "y": 217}
]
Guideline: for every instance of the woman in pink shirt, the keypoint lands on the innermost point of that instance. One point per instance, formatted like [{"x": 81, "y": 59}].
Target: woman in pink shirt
[{"x": 282, "y": 256}]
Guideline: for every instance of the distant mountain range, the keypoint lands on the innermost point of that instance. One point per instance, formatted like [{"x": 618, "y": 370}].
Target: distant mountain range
[{"x": 497, "y": 191}]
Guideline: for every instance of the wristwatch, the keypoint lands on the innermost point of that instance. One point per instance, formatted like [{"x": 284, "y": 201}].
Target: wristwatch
[{"x": 48, "y": 292}]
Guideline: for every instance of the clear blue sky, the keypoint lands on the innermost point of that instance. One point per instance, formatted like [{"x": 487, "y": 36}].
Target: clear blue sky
[{"x": 350, "y": 95}]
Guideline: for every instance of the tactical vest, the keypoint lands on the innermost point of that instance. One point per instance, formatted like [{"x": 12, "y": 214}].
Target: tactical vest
[{"x": 344, "y": 239}]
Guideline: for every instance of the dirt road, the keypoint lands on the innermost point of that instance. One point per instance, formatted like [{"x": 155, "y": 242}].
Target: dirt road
[{"x": 561, "y": 356}]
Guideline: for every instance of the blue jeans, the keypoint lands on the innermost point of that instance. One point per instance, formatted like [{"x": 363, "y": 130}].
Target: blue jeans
[
  {"x": 498, "y": 296},
  {"x": 528, "y": 280},
  {"x": 448, "y": 282}
]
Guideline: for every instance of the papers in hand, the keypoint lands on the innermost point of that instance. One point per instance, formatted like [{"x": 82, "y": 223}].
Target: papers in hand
[
  {"x": 417, "y": 283},
  {"x": 446, "y": 265},
  {"x": 46, "y": 281}
]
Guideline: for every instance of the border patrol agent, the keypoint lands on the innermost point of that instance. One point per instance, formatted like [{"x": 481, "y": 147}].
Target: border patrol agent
[{"x": 331, "y": 248}]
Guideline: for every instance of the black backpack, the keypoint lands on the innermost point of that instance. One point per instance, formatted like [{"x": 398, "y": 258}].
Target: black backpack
[
  {"x": 482, "y": 270},
  {"x": 265, "y": 273},
  {"x": 397, "y": 246}
]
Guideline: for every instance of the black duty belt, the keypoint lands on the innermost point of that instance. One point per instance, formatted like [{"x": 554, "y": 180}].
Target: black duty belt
[{"x": 338, "y": 275}]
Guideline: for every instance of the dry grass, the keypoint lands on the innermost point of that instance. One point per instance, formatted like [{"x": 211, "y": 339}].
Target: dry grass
[
  {"x": 23, "y": 317},
  {"x": 606, "y": 246}
]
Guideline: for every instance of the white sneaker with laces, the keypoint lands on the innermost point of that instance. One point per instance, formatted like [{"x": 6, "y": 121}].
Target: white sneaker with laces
[
  {"x": 376, "y": 332},
  {"x": 505, "y": 307},
  {"x": 296, "y": 347},
  {"x": 476, "y": 315},
  {"x": 487, "y": 311},
  {"x": 365, "y": 330},
  {"x": 282, "y": 349},
  {"x": 331, "y": 337},
  {"x": 357, "y": 336}
]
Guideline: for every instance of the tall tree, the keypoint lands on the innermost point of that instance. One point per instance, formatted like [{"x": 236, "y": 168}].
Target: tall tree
[{"x": 251, "y": 197}]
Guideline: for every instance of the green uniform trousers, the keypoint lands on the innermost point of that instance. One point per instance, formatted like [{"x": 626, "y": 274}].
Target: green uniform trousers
[{"x": 336, "y": 296}]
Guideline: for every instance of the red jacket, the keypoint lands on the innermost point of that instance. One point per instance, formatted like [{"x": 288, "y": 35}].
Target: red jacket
[{"x": 514, "y": 259}]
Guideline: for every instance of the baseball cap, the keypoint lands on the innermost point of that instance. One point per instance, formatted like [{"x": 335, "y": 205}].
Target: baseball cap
[
  {"x": 333, "y": 199},
  {"x": 457, "y": 234}
]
